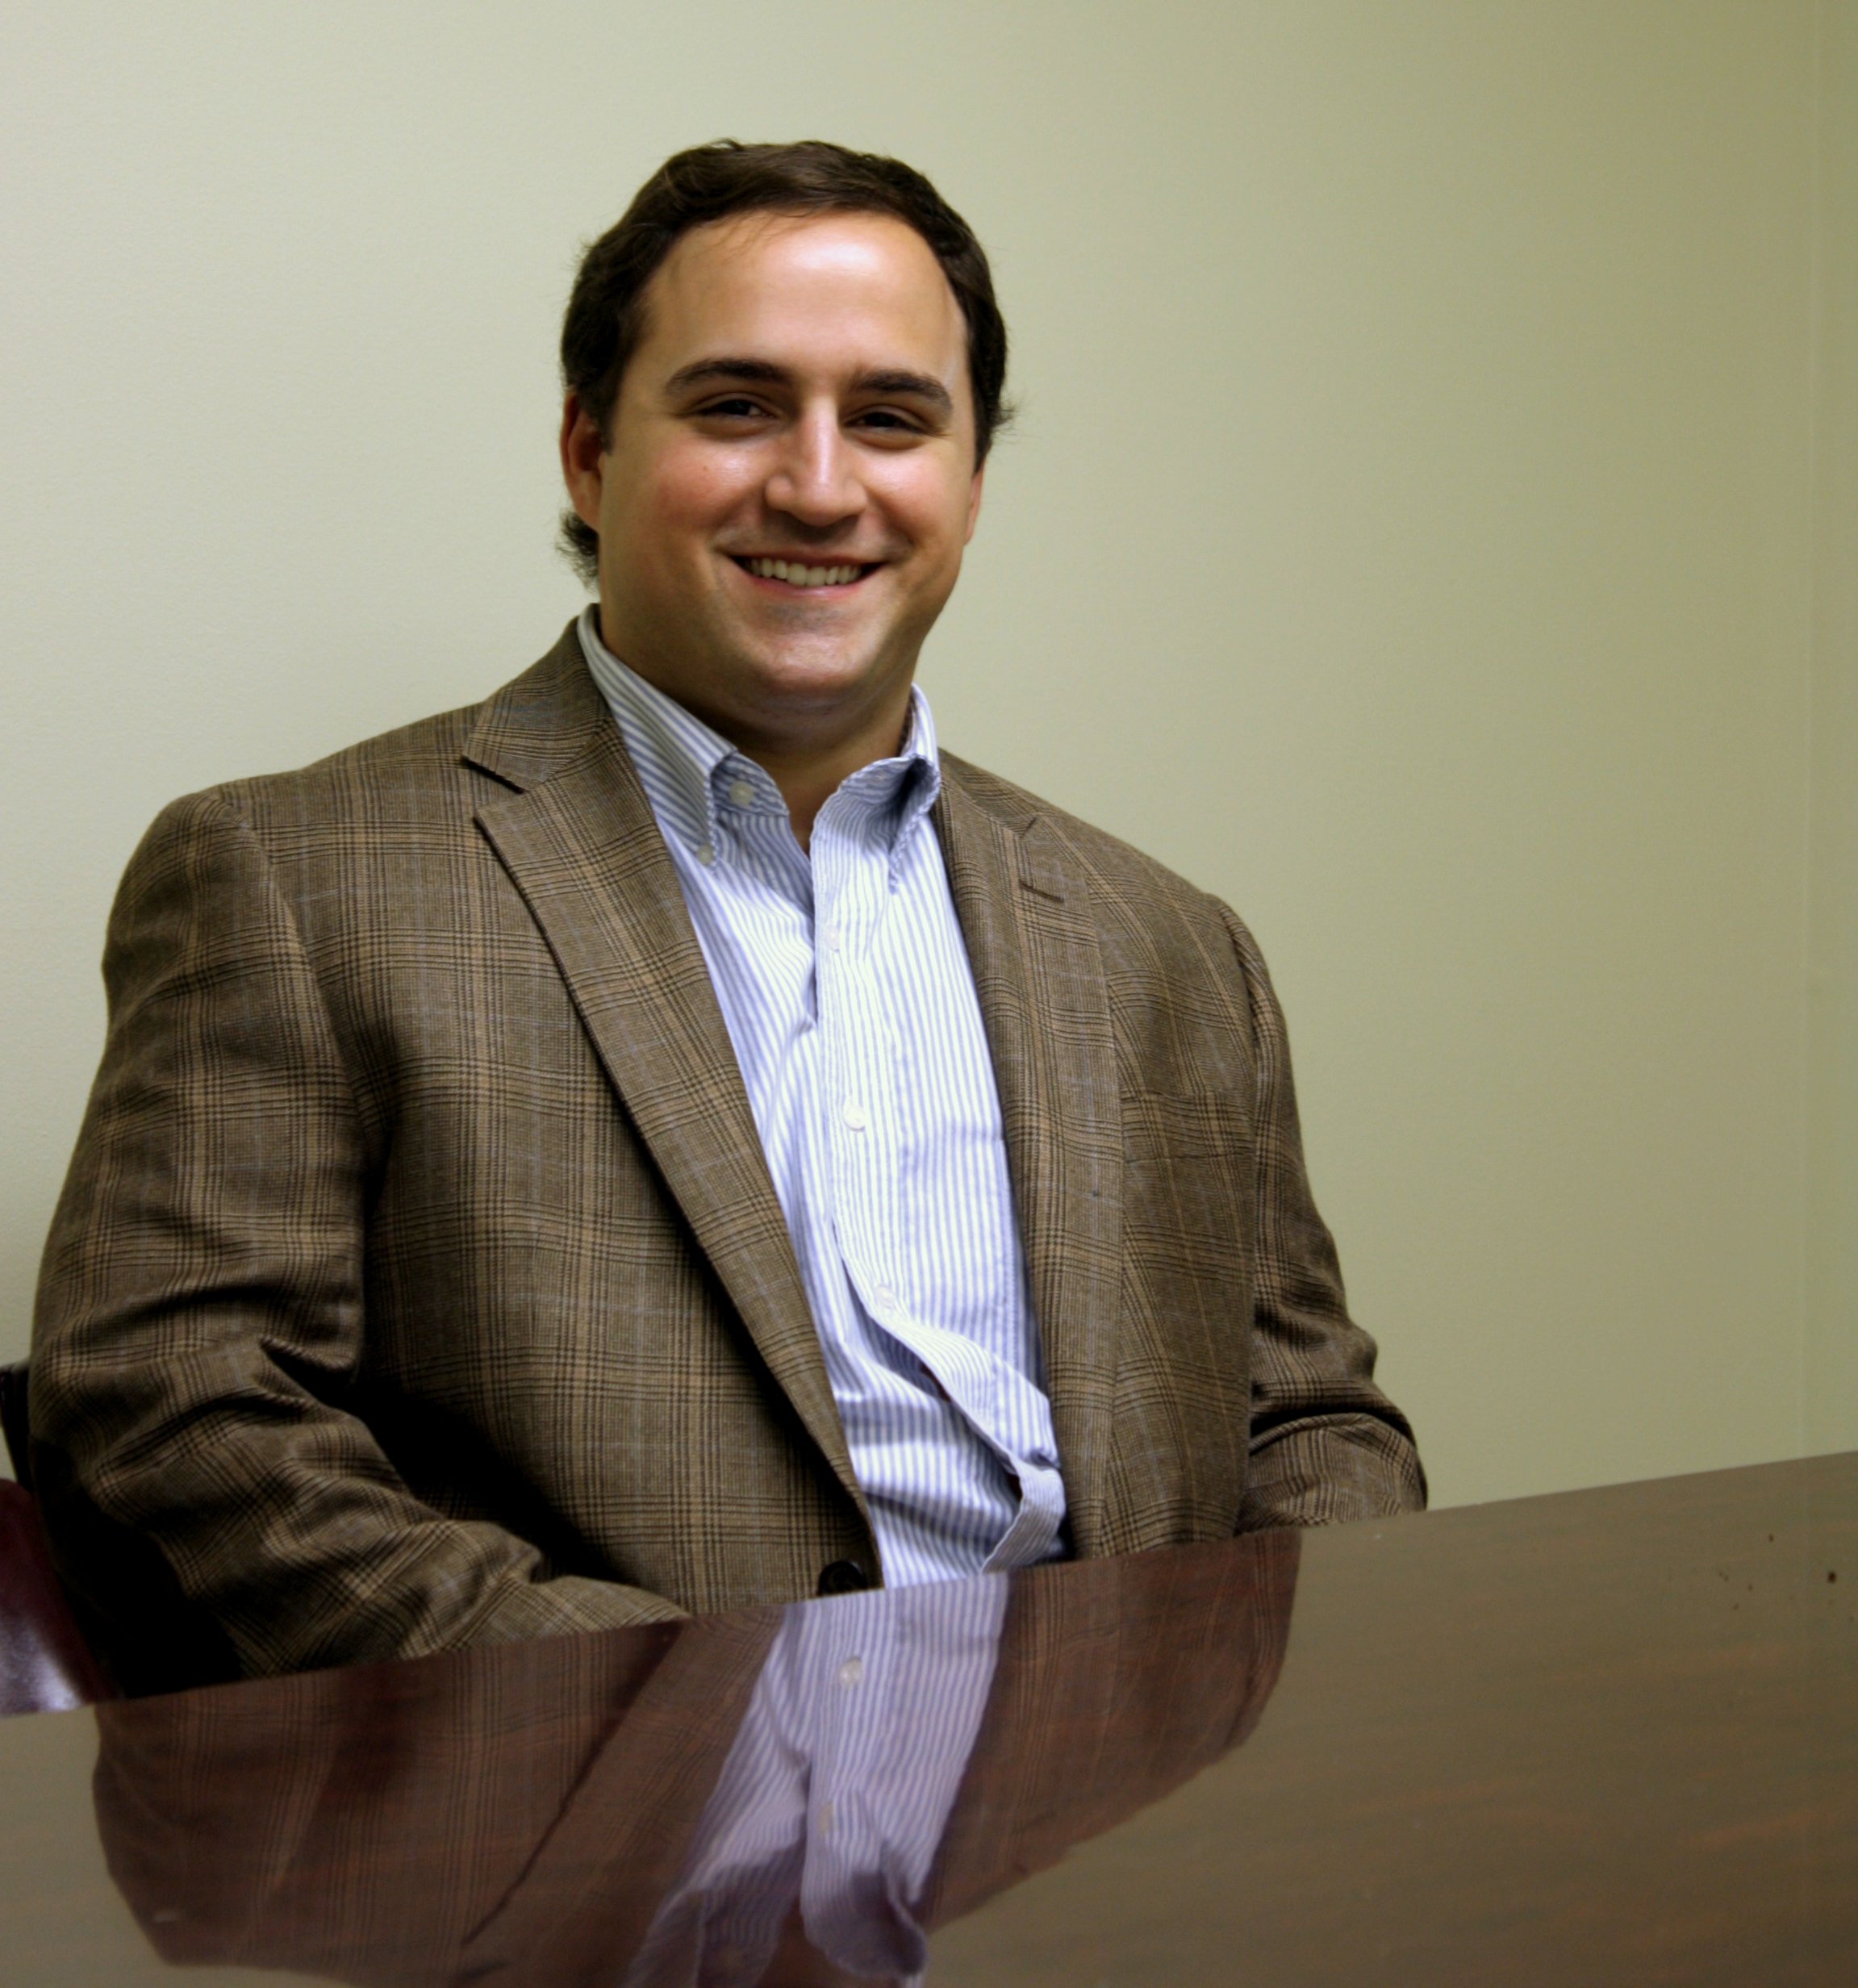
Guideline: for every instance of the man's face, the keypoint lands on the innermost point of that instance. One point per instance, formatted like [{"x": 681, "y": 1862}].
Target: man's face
[{"x": 789, "y": 478}]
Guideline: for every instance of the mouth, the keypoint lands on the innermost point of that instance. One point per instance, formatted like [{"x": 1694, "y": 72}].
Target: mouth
[{"x": 796, "y": 577}]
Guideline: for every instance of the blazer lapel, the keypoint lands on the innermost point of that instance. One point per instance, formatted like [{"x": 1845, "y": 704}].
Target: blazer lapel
[
  {"x": 1023, "y": 902},
  {"x": 579, "y": 839}
]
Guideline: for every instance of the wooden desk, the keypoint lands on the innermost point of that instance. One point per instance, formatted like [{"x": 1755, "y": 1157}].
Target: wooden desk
[{"x": 1607, "y": 1737}]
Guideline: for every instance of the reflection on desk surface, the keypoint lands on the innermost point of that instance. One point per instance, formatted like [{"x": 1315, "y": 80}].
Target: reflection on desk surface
[
  {"x": 779, "y": 1795},
  {"x": 1604, "y": 1739}
]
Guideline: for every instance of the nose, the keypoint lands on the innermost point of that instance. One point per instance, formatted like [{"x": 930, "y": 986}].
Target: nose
[{"x": 815, "y": 479}]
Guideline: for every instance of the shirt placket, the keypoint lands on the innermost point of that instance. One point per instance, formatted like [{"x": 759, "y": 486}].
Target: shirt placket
[
  {"x": 860, "y": 1064},
  {"x": 851, "y": 885}
]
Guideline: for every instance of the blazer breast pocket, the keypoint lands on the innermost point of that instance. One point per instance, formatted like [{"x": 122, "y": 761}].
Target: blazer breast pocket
[
  {"x": 1194, "y": 1125},
  {"x": 1188, "y": 1168}
]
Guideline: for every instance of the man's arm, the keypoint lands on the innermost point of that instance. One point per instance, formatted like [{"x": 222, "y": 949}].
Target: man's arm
[
  {"x": 202, "y": 1307},
  {"x": 1326, "y": 1444}
]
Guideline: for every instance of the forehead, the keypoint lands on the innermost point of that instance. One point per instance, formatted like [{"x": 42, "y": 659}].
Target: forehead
[{"x": 814, "y": 292}]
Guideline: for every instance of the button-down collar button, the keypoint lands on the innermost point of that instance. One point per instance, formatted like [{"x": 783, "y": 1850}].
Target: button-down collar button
[
  {"x": 741, "y": 793},
  {"x": 885, "y": 1299},
  {"x": 854, "y": 1114},
  {"x": 852, "y": 1670},
  {"x": 706, "y": 855}
]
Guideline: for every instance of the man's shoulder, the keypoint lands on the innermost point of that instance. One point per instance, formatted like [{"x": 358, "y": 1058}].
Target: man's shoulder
[
  {"x": 1117, "y": 872},
  {"x": 435, "y": 768},
  {"x": 1167, "y": 949},
  {"x": 397, "y": 767}
]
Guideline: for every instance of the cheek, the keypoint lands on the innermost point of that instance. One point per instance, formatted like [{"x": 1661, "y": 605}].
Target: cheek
[
  {"x": 663, "y": 507},
  {"x": 931, "y": 506},
  {"x": 695, "y": 489}
]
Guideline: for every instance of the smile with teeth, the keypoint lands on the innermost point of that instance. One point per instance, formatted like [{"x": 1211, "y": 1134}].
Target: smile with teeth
[{"x": 796, "y": 575}]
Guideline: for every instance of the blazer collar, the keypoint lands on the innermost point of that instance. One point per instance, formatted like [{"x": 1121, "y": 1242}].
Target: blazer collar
[{"x": 543, "y": 722}]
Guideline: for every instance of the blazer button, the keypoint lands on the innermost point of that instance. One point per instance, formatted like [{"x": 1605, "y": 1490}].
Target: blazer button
[{"x": 843, "y": 1577}]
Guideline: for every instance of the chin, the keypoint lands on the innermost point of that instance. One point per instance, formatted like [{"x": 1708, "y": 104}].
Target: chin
[{"x": 804, "y": 671}]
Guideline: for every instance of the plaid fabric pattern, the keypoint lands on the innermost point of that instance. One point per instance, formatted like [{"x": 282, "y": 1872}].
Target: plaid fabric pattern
[{"x": 418, "y": 1280}]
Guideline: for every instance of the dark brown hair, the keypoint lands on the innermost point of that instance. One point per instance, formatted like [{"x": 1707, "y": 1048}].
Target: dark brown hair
[{"x": 605, "y": 318}]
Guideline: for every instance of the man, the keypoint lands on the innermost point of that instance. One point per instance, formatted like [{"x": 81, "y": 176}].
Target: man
[{"x": 667, "y": 1138}]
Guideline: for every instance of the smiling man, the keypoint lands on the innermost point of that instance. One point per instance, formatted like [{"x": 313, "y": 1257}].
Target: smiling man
[{"x": 669, "y": 1137}]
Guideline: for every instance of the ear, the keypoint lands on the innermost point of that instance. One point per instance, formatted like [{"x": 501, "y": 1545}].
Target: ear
[
  {"x": 584, "y": 453},
  {"x": 974, "y": 503}
]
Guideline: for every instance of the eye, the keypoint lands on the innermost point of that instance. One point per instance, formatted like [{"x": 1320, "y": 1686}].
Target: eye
[
  {"x": 889, "y": 423},
  {"x": 732, "y": 408}
]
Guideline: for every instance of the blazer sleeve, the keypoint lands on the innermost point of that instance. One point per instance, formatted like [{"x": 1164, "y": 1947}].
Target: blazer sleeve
[
  {"x": 1326, "y": 1444},
  {"x": 201, "y": 1314}
]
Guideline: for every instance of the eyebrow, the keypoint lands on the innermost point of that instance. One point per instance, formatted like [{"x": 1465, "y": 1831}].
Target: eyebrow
[{"x": 765, "y": 372}]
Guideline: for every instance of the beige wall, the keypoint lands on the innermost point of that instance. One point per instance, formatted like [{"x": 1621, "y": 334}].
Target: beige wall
[
  {"x": 1831, "y": 1316},
  {"x": 1430, "y": 526}
]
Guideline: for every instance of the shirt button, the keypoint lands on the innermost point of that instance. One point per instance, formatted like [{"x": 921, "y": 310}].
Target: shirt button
[
  {"x": 835, "y": 938},
  {"x": 741, "y": 793},
  {"x": 884, "y": 1298},
  {"x": 706, "y": 856},
  {"x": 854, "y": 1114},
  {"x": 852, "y": 1670}
]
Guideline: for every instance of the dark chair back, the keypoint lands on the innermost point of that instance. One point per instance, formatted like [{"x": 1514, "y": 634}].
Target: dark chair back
[
  {"x": 15, "y": 1421},
  {"x": 45, "y": 1666}
]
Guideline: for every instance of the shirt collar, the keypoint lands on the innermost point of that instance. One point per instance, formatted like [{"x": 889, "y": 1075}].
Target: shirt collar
[{"x": 693, "y": 776}]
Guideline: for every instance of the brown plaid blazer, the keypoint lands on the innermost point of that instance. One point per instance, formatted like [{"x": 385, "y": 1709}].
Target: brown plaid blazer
[{"x": 418, "y": 1280}]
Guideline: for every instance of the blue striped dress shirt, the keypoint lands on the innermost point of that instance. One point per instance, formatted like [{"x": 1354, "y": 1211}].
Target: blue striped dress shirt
[{"x": 846, "y": 989}]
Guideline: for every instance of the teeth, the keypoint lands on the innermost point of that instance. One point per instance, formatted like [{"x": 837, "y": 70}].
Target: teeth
[{"x": 797, "y": 575}]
